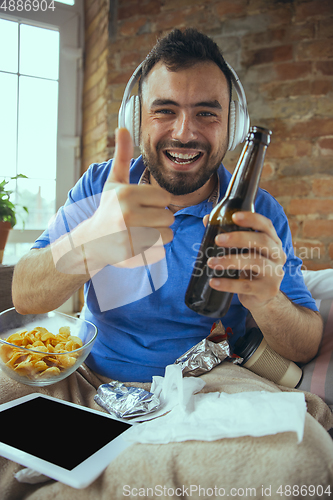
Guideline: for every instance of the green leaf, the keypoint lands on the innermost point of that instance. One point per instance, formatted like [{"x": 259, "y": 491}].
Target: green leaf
[{"x": 7, "y": 208}]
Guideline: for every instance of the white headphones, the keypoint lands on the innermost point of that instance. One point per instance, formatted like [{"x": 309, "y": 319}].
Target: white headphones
[{"x": 239, "y": 120}]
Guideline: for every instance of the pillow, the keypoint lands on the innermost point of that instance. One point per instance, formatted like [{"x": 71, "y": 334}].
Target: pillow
[
  {"x": 318, "y": 373},
  {"x": 319, "y": 283}
]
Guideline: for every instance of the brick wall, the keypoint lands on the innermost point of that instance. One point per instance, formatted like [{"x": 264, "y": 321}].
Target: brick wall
[
  {"x": 95, "y": 90},
  {"x": 283, "y": 54}
]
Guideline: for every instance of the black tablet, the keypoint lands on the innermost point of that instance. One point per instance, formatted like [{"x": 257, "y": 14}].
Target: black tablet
[{"x": 67, "y": 442}]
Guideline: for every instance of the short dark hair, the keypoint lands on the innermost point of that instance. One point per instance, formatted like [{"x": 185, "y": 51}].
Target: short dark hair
[{"x": 183, "y": 49}]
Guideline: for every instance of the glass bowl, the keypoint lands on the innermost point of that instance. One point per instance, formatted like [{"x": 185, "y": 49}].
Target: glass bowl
[{"x": 38, "y": 353}]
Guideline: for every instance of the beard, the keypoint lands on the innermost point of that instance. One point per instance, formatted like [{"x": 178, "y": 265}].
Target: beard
[{"x": 181, "y": 183}]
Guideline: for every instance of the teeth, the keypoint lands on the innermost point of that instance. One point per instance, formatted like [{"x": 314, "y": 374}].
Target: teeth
[{"x": 183, "y": 157}]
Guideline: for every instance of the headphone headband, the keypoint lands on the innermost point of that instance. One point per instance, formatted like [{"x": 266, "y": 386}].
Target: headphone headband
[{"x": 239, "y": 121}]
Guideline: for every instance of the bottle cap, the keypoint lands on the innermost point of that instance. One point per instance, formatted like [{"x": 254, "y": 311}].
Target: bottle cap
[{"x": 260, "y": 134}]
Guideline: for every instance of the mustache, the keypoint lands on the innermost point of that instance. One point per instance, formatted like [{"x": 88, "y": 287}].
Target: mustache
[{"x": 165, "y": 144}]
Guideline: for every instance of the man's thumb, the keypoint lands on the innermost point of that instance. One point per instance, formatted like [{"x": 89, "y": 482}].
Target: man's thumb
[{"x": 122, "y": 157}]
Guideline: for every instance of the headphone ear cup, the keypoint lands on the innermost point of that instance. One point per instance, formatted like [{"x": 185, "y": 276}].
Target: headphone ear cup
[
  {"x": 239, "y": 123},
  {"x": 132, "y": 118},
  {"x": 136, "y": 120},
  {"x": 232, "y": 125}
]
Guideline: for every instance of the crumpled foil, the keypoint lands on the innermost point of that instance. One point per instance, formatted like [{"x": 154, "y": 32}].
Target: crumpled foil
[
  {"x": 208, "y": 353},
  {"x": 126, "y": 402}
]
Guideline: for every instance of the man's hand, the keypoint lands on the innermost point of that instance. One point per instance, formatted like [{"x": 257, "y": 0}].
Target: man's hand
[
  {"x": 292, "y": 331},
  {"x": 130, "y": 219},
  {"x": 261, "y": 268}
]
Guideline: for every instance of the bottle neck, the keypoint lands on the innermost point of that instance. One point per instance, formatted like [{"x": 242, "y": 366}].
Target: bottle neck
[{"x": 245, "y": 179}]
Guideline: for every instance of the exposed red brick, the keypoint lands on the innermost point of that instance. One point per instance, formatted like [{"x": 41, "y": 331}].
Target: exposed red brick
[
  {"x": 310, "y": 206},
  {"x": 268, "y": 171},
  {"x": 288, "y": 149},
  {"x": 315, "y": 49},
  {"x": 111, "y": 142},
  {"x": 169, "y": 19},
  {"x": 116, "y": 77},
  {"x": 281, "y": 149},
  {"x": 323, "y": 187},
  {"x": 151, "y": 8},
  {"x": 130, "y": 28},
  {"x": 318, "y": 228},
  {"x": 277, "y": 89},
  {"x": 293, "y": 70},
  {"x": 316, "y": 127},
  {"x": 268, "y": 55},
  {"x": 183, "y": 4},
  {"x": 321, "y": 87},
  {"x": 230, "y": 7},
  {"x": 330, "y": 251},
  {"x": 325, "y": 27},
  {"x": 298, "y": 32},
  {"x": 280, "y": 15},
  {"x": 144, "y": 43},
  {"x": 307, "y": 10},
  {"x": 303, "y": 148},
  {"x": 130, "y": 59},
  {"x": 325, "y": 67},
  {"x": 286, "y": 187},
  {"x": 294, "y": 227},
  {"x": 312, "y": 265},
  {"x": 309, "y": 249},
  {"x": 264, "y": 38},
  {"x": 326, "y": 143}
]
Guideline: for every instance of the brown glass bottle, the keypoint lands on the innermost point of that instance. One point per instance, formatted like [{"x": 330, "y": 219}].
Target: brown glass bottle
[{"x": 240, "y": 196}]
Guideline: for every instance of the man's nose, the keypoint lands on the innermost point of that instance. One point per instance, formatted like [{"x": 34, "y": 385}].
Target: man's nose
[{"x": 184, "y": 128}]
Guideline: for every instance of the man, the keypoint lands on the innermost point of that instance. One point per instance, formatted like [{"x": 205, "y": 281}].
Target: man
[{"x": 185, "y": 93}]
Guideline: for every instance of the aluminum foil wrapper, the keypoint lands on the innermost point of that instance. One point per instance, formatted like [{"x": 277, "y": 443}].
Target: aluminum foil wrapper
[
  {"x": 126, "y": 402},
  {"x": 208, "y": 353}
]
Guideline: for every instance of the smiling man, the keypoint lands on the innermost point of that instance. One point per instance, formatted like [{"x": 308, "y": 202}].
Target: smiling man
[{"x": 143, "y": 322}]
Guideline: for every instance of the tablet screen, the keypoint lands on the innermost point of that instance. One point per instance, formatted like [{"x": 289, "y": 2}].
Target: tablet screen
[{"x": 58, "y": 433}]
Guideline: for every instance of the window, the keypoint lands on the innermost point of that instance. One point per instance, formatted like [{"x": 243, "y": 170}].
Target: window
[
  {"x": 29, "y": 79},
  {"x": 40, "y": 120}
]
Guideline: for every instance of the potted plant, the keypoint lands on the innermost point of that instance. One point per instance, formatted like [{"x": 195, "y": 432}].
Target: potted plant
[{"x": 7, "y": 213}]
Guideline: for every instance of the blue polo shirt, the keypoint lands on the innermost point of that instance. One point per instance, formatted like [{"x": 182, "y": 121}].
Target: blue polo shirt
[{"x": 142, "y": 320}]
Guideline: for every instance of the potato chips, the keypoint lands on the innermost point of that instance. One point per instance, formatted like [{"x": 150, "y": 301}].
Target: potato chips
[{"x": 50, "y": 354}]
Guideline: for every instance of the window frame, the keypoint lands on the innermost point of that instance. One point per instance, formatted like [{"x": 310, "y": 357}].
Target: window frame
[{"x": 68, "y": 20}]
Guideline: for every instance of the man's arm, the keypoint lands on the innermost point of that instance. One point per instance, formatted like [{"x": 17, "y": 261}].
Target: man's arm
[
  {"x": 292, "y": 331},
  {"x": 37, "y": 285}
]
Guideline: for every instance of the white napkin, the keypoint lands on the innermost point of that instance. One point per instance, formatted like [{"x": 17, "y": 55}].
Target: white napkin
[
  {"x": 172, "y": 390},
  {"x": 212, "y": 416}
]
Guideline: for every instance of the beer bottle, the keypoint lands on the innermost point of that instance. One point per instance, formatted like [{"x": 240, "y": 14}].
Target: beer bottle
[{"x": 240, "y": 196}]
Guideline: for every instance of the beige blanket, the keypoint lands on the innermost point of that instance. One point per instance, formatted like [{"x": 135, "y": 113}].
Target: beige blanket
[{"x": 268, "y": 465}]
